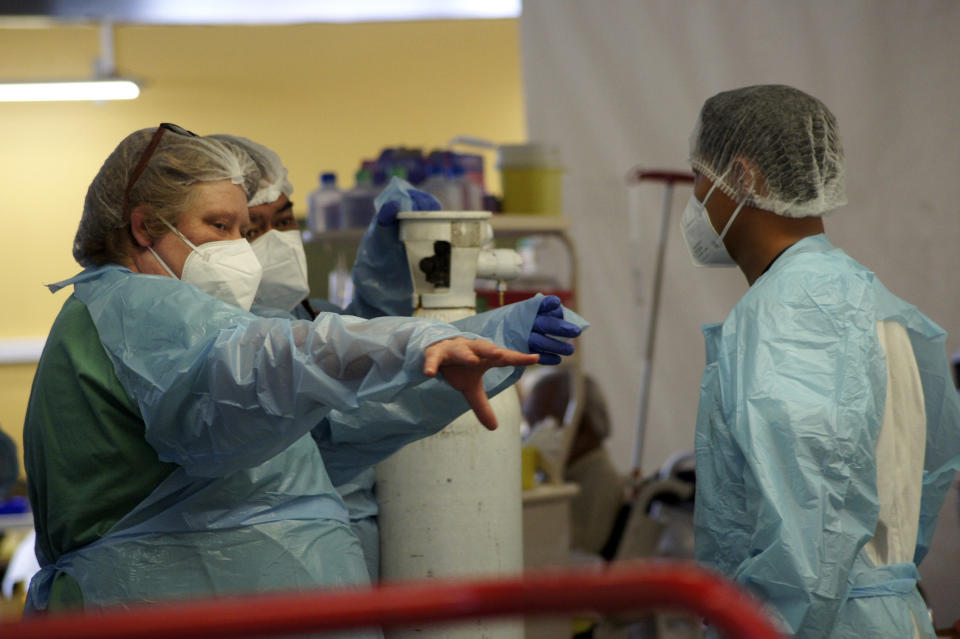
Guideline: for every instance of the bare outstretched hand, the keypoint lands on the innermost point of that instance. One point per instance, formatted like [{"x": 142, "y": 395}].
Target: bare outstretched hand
[{"x": 464, "y": 361}]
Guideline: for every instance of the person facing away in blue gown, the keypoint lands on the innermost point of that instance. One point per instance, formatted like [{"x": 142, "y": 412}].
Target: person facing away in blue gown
[{"x": 827, "y": 431}]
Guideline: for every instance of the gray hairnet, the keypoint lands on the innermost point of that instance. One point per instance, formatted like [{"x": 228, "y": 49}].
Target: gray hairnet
[
  {"x": 177, "y": 162},
  {"x": 791, "y": 137},
  {"x": 273, "y": 175}
]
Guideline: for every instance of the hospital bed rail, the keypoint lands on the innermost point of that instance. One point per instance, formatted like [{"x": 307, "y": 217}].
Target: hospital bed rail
[{"x": 630, "y": 587}]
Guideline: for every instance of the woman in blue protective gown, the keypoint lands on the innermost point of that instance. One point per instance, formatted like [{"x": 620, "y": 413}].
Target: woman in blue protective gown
[
  {"x": 177, "y": 445},
  {"x": 382, "y": 286},
  {"x": 828, "y": 431}
]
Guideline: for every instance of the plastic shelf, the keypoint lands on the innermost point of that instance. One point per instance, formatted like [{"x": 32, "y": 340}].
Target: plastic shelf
[{"x": 504, "y": 225}]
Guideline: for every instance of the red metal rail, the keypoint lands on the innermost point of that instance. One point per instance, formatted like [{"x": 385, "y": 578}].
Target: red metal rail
[
  {"x": 660, "y": 585},
  {"x": 659, "y": 175}
]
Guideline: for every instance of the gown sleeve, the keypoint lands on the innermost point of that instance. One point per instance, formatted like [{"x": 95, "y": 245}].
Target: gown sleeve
[
  {"x": 353, "y": 440},
  {"x": 221, "y": 389},
  {"x": 381, "y": 277}
]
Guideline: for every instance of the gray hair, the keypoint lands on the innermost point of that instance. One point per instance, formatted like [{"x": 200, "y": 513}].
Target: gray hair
[{"x": 177, "y": 163}]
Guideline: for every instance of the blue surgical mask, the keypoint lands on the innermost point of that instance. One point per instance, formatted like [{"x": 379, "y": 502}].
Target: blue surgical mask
[{"x": 706, "y": 247}]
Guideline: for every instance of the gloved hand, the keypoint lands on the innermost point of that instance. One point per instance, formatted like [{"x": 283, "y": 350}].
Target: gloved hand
[
  {"x": 549, "y": 321},
  {"x": 422, "y": 201}
]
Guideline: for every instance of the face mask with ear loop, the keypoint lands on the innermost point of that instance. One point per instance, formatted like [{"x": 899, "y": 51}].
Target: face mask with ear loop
[
  {"x": 227, "y": 270},
  {"x": 284, "y": 282},
  {"x": 705, "y": 246}
]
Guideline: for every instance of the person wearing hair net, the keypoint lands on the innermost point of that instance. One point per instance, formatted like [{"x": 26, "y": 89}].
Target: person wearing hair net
[
  {"x": 827, "y": 432},
  {"x": 275, "y": 239},
  {"x": 383, "y": 287},
  {"x": 171, "y": 439},
  {"x": 381, "y": 283}
]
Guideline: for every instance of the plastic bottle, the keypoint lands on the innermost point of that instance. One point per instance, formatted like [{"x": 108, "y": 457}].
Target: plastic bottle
[
  {"x": 472, "y": 166},
  {"x": 471, "y": 195},
  {"x": 340, "y": 283},
  {"x": 358, "y": 207},
  {"x": 437, "y": 185},
  {"x": 325, "y": 205}
]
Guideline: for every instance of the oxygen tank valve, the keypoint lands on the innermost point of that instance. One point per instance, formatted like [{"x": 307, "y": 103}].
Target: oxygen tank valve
[
  {"x": 498, "y": 264},
  {"x": 436, "y": 267}
]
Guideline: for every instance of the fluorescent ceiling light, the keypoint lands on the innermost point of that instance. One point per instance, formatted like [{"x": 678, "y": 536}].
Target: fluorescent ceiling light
[
  {"x": 273, "y": 12},
  {"x": 92, "y": 91}
]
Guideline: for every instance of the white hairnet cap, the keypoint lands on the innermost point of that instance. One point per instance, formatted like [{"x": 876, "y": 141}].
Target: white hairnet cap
[
  {"x": 273, "y": 175},
  {"x": 789, "y": 136}
]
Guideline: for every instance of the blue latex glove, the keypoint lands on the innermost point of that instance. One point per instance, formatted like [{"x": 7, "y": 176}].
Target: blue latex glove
[
  {"x": 549, "y": 321},
  {"x": 401, "y": 196}
]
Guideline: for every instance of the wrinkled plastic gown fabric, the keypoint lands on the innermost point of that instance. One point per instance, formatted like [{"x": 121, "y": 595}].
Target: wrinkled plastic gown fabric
[
  {"x": 344, "y": 436},
  {"x": 361, "y": 501},
  {"x": 381, "y": 277},
  {"x": 230, "y": 397},
  {"x": 346, "y": 446},
  {"x": 382, "y": 287},
  {"x": 507, "y": 326},
  {"x": 790, "y": 410},
  {"x": 222, "y": 389}
]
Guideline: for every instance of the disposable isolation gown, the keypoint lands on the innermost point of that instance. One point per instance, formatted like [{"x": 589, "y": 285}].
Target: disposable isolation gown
[
  {"x": 507, "y": 325},
  {"x": 827, "y": 436},
  {"x": 173, "y": 443},
  {"x": 382, "y": 287},
  {"x": 381, "y": 277}
]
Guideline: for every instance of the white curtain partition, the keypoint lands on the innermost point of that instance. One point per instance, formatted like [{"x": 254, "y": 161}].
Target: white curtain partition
[{"x": 618, "y": 83}]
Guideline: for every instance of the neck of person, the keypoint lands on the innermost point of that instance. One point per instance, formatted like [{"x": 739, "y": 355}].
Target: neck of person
[
  {"x": 758, "y": 237},
  {"x": 141, "y": 260}
]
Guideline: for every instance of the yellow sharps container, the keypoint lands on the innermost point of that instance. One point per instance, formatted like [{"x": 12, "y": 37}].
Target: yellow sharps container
[{"x": 532, "y": 178}]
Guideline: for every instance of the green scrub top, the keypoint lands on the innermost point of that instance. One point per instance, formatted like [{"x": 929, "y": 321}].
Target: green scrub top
[{"x": 87, "y": 461}]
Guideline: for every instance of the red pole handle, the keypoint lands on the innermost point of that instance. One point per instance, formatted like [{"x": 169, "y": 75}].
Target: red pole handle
[
  {"x": 643, "y": 586},
  {"x": 662, "y": 175}
]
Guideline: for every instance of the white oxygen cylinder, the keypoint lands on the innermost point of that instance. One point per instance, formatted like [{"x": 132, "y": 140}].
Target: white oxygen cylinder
[{"x": 451, "y": 504}]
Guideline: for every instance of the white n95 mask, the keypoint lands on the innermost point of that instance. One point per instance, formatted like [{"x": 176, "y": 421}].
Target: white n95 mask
[
  {"x": 705, "y": 246},
  {"x": 284, "y": 282},
  {"x": 227, "y": 270}
]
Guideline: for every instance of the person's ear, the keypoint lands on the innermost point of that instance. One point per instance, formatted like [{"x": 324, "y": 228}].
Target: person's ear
[
  {"x": 746, "y": 176},
  {"x": 138, "y": 227}
]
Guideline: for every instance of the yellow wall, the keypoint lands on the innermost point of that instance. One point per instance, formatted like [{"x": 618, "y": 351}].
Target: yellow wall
[{"x": 322, "y": 96}]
